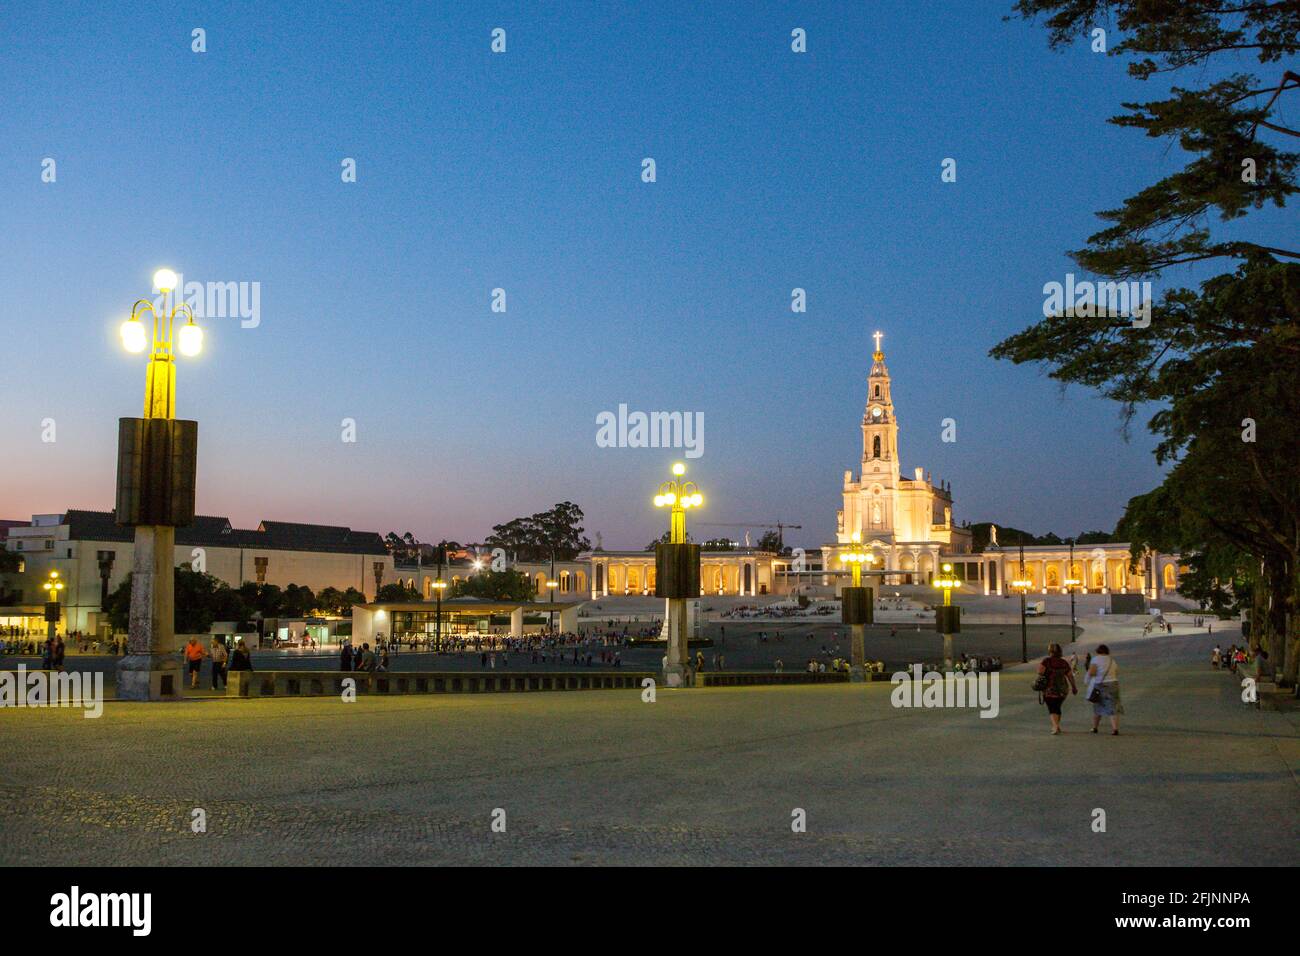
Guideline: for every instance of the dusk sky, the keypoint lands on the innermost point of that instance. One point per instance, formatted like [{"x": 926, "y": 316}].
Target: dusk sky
[{"x": 522, "y": 171}]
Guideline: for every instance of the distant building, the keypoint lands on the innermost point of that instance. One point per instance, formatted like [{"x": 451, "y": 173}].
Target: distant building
[
  {"x": 93, "y": 555},
  {"x": 907, "y": 522}
]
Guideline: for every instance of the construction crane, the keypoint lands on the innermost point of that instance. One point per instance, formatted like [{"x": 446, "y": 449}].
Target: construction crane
[{"x": 779, "y": 526}]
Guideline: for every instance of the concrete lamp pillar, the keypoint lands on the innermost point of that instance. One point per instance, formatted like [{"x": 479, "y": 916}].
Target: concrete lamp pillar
[
  {"x": 857, "y": 609},
  {"x": 150, "y": 671},
  {"x": 155, "y": 494}
]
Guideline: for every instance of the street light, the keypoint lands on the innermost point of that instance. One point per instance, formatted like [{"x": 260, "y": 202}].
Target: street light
[
  {"x": 1023, "y": 585},
  {"x": 856, "y": 604},
  {"x": 948, "y": 582},
  {"x": 948, "y": 621},
  {"x": 160, "y": 382},
  {"x": 678, "y": 496},
  {"x": 52, "y": 586},
  {"x": 155, "y": 489},
  {"x": 677, "y": 572},
  {"x": 551, "y": 585},
  {"x": 1071, "y": 582},
  {"x": 438, "y": 587}
]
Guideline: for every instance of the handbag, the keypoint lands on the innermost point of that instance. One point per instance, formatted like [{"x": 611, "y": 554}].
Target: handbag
[
  {"x": 1040, "y": 684},
  {"x": 1094, "y": 697}
]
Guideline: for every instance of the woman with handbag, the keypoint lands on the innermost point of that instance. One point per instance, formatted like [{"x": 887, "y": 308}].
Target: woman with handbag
[
  {"x": 1103, "y": 690},
  {"x": 1055, "y": 682}
]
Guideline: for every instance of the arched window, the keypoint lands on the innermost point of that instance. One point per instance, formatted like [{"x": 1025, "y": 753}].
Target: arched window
[
  {"x": 875, "y": 447},
  {"x": 877, "y": 392},
  {"x": 1170, "y": 583}
]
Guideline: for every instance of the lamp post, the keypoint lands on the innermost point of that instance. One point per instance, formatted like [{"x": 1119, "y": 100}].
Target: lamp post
[
  {"x": 155, "y": 492},
  {"x": 857, "y": 605},
  {"x": 1071, "y": 582},
  {"x": 52, "y": 586},
  {"x": 1022, "y": 585},
  {"x": 677, "y": 571},
  {"x": 947, "y": 620},
  {"x": 438, "y": 587}
]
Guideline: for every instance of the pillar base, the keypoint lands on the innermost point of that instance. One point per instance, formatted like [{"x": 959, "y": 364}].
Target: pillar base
[
  {"x": 149, "y": 677},
  {"x": 676, "y": 675},
  {"x": 856, "y": 674}
]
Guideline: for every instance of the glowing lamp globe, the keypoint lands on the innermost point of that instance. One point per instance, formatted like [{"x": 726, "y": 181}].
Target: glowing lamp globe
[
  {"x": 133, "y": 335},
  {"x": 190, "y": 339},
  {"x": 164, "y": 280}
]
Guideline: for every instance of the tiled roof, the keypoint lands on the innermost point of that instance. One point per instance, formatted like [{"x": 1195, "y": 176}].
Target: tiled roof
[{"x": 214, "y": 531}]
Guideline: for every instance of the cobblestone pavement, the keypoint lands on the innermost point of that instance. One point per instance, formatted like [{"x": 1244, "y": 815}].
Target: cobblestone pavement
[{"x": 701, "y": 776}]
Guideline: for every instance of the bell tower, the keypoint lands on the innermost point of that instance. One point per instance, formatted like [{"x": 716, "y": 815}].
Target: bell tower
[{"x": 879, "y": 427}]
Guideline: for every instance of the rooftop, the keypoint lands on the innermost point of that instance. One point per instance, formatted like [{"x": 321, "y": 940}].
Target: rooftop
[{"x": 215, "y": 531}]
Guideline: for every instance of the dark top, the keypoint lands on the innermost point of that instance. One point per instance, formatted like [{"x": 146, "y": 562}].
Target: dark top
[
  {"x": 240, "y": 661},
  {"x": 1057, "y": 670}
]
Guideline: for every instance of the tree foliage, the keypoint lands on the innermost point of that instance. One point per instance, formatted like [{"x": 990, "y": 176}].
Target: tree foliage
[
  {"x": 507, "y": 585},
  {"x": 1219, "y": 364},
  {"x": 558, "y": 531}
]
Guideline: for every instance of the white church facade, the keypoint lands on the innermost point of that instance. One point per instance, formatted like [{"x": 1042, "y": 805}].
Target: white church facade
[{"x": 906, "y": 522}]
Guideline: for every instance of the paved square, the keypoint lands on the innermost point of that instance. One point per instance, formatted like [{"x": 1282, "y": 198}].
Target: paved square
[{"x": 700, "y": 776}]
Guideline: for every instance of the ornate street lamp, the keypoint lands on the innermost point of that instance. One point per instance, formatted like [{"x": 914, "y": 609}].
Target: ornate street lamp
[
  {"x": 678, "y": 496},
  {"x": 52, "y": 586},
  {"x": 155, "y": 491},
  {"x": 677, "y": 572},
  {"x": 947, "y": 619},
  {"x": 857, "y": 605}
]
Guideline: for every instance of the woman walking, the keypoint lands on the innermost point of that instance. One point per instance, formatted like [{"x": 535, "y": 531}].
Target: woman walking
[
  {"x": 1057, "y": 685},
  {"x": 1103, "y": 690}
]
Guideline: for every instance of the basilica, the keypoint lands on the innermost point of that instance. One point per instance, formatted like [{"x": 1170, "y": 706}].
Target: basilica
[{"x": 906, "y": 522}]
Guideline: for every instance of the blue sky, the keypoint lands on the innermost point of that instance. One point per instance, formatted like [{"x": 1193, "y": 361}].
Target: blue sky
[{"x": 522, "y": 171}]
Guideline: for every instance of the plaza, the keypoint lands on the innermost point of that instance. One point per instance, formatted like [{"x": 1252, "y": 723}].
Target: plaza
[{"x": 701, "y": 776}]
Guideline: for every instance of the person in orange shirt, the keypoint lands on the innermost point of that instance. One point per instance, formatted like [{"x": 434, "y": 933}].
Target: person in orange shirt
[{"x": 194, "y": 654}]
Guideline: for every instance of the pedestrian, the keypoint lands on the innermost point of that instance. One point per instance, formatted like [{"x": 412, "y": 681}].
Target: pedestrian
[
  {"x": 1215, "y": 657},
  {"x": 56, "y": 658},
  {"x": 241, "y": 660},
  {"x": 1103, "y": 690},
  {"x": 194, "y": 655},
  {"x": 1074, "y": 663},
  {"x": 1055, "y": 678},
  {"x": 219, "y": 657},
  {"x": 345, "y": 657}
]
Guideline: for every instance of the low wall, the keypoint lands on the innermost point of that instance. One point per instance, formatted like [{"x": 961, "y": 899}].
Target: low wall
[
  {"x": 748, "y": 678},
  {"x": 304, "y": 683}
]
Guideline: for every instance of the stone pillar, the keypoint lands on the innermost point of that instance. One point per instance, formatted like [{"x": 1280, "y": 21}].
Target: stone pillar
[
  {"x": 676, "y": 630},
  {"x": 150, "y": 671},
  {"x": 517, "y": 622}
]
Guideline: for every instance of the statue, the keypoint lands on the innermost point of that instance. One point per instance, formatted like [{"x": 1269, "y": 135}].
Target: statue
[{"x": 993, "y": 536}]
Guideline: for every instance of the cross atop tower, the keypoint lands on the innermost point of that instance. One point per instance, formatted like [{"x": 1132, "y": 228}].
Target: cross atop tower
[{"x": 878, "y": 336}]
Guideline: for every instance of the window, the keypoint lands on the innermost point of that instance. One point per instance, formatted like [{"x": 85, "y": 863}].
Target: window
[
  {"x": 875, "y": 447},
  {"x": 877, "y": 392}
]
